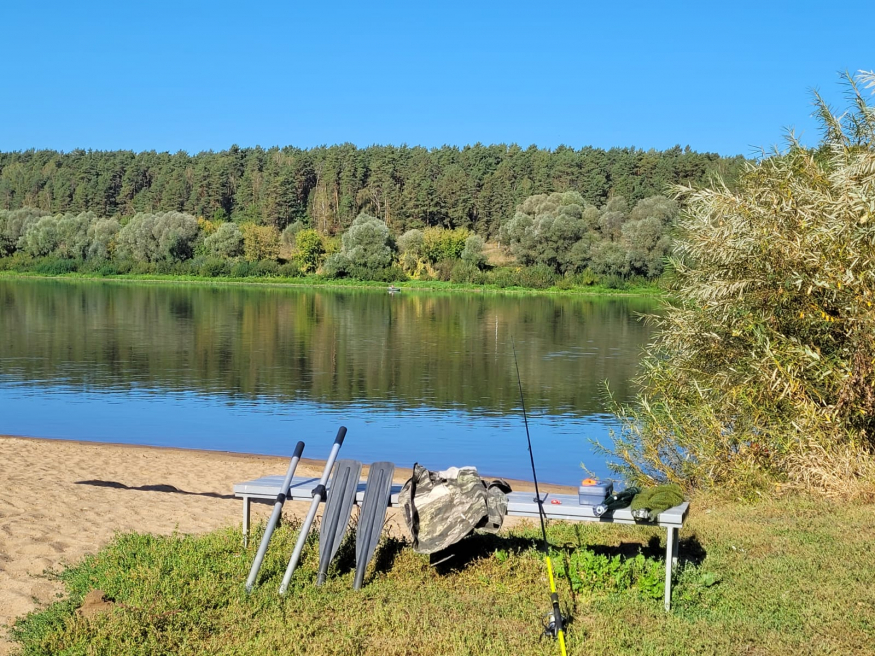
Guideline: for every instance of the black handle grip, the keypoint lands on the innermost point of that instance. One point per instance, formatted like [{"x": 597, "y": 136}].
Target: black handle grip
[{"x": 341, "y": 433}]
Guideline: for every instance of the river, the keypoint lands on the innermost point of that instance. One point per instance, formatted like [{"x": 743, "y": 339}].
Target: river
[{"x": 416, "y": 377}]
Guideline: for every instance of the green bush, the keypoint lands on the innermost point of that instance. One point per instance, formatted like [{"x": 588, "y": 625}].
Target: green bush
[
  {"x": 439, "y": 244},
  {"x": 291, "y": 269},
  {"x": 539, "y": 276},
  {"x": 311, "y": 249},
  {"x": 265, "y": 268},
  {"x": 502, "y": 277},
  {"x": 464, "y": 272},
  {"x": 762, "y": 369},
  {"x": 55, "y": 266},
  {"x": 242, "y": 269},
  {"x": 367, "y": 243},
  {"x": 213, "y": 267}
]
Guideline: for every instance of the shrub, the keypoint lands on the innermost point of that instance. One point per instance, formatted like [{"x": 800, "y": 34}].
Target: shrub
[
  {"x": 336, "y": 266},
  {"x": 166, "y": 236},
  {"x": 213, "y": 267},
  {"x": 290, "y": 269},
  {"x": 463, "y": 272},
  {"x": 472, "y": 254},
  {"x": 503, "y": 277},
  {"x": 440, "y": 244},
  {"x": 102, "y": 234},
  {"x": 265, "y": 268},
  {"x": 225, "y": 242},
  {"x": 367, "y": 243},
  {"x": 763, "y": 369},
  {"x": 56, "y": 266},
  {"x": 311, "y": 249},
  {"x": 260, "y": 242},
  {"x": 539, "y": 276},
  {"x": 410, "y": 243},
  {"x": 291, "y": 232},
  {"x": 443, "y": 270},
  {"x": 13, "y": 225},
  {"x": 385, "y": 274},
  {"x": 242, "y": 269},
  {"x": 41, "y": 237}
]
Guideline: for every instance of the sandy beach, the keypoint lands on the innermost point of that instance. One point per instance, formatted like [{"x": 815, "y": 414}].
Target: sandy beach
[{"x": 61, "y": 500}]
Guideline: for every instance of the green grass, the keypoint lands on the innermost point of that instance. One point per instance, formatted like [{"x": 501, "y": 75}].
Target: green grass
[
  {"x": 317, "y": 281},
  {"x": 785, "y": 576}
]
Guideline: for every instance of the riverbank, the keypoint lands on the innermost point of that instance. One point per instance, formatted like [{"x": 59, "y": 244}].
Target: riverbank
[
  {"x": 789, "y": 574},
  {"x": 652, "y": 290},
  {"x": 61, "y": 500}
]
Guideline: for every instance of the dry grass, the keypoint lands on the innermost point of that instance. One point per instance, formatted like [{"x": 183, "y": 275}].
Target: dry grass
[{"x": 842, "y": 472}]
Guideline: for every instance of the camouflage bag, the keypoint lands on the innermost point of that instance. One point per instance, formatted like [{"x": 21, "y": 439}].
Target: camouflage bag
[{"x": 440, "y": 508}]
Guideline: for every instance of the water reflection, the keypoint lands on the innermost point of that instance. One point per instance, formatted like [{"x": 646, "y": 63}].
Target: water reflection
[{"x": 202, "y": 366}]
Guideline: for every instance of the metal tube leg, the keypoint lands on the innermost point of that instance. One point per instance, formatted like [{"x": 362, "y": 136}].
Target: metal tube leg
[
  {"x": 670, "y": 556},
  {"x": 245, "y": 521}
]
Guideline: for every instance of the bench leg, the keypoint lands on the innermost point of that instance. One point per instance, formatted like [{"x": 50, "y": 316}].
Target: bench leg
[
  {"x": 671, "y": 559},
  {"x": 245, "y": 521}
]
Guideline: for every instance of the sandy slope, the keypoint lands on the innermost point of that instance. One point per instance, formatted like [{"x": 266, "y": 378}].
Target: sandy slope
[{"x": 61, "y": 500}]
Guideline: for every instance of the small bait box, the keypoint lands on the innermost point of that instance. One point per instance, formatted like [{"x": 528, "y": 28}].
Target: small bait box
[{"x": 594, "y": 493}]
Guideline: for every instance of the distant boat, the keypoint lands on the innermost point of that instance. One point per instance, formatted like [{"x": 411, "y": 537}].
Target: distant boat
[{"x": 393, "y": 289}]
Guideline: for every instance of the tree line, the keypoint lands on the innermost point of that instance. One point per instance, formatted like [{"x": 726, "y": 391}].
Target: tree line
[{"x": 326, "y": 188}]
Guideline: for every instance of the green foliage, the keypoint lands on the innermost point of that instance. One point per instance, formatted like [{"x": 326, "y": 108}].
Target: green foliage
[
  {"x": 473, "y": 252},
  {"x": 439, "y": 244},
  {"x": 41, "y": 237},
  {"x": 211, "y": 267},
  {"x": 474, "y": 187},
  {"x": 762, "y": 368},
  {"x": 184, "y": 595},
  {"x": 13, "y": 225},
  {"x": 290, "y": 232},
  {"x": 168, "y": 236},
  {"x": 55, "y": 266},
  {"x": 260, "y": 242},
  {"x": 226, "y": 241},
  {"x": 411, "y": 243},
  {"x": 102, "y": 234},
  {"x": 311, "y": 249},
  {"x": 367, "y": 243},
  {"x": 563, "y": 232},
  {"x": 587, "y": 571}
]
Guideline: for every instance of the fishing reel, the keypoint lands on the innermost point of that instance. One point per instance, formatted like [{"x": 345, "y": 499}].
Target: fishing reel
[{"x": 551, "y": 627}]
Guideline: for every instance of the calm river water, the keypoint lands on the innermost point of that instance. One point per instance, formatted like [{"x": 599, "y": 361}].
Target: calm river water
[{"x": 416, "y": 377}]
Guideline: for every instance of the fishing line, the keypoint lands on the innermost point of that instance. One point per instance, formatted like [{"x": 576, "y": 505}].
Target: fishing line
[{"x": 556, "y": 627}]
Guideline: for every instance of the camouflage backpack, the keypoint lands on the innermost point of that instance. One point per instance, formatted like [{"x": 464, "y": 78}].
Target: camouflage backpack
[{"x": 440, "y": 508}]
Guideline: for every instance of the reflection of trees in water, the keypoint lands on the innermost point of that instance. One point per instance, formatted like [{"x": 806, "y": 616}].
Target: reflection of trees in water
[{"x": 332, "y": 346}]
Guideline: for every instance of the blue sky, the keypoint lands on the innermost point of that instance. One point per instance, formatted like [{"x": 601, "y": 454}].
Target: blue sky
[{"x": 202, "y": 76}]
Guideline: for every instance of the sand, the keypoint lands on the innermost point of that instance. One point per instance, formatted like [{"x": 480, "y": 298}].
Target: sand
[{"x": 61, "y": 500}]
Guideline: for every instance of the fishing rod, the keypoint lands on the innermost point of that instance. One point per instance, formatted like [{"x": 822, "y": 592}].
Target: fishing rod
[{"x": 555, "y": 628}]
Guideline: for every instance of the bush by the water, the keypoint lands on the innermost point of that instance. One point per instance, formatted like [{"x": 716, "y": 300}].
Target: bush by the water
[{"x": 763, "y": 368}]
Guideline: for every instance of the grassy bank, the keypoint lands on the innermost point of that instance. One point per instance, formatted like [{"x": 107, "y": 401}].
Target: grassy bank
[
  {"x": 782, "y": 576},
  {"x": 632, "y": 289}
]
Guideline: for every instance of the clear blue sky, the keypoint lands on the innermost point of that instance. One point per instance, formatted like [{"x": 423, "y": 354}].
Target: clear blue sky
[{"x": 724, "y": 77}]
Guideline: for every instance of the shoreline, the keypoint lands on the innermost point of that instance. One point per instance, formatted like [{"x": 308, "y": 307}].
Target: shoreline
[
  {"x": 315, "y": 283},
  {"x": 281, "y": 462},
  {"x": 65, "y": 499}
]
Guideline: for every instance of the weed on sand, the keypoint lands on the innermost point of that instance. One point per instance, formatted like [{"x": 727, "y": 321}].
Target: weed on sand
[{"x": 781, "y": 576}]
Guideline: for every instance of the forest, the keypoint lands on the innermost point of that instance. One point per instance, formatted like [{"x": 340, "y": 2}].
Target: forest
[
  {"x": 495, "y": 215},
  {"x": 475, "y": 187}
]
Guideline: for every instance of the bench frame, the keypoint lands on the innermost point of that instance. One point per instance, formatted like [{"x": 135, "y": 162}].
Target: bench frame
[{"x": 519, "y": 504}]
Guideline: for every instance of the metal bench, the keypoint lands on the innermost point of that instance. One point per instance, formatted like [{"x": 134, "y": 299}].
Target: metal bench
[{"x": 519, "y": 504}]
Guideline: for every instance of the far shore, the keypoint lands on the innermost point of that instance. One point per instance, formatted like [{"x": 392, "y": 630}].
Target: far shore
[
  {"x": 64, "y": 499},
  {"x": 316, "y": 283}
]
